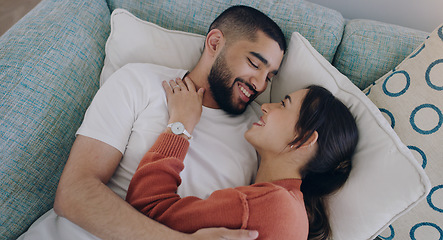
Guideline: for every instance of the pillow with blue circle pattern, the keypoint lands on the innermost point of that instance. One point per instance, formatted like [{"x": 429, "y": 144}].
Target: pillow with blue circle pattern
[{"x": 411, "y": 99}]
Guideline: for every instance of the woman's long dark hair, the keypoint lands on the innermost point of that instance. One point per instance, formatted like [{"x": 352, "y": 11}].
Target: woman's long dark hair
[{"x": 329, "y": 169}]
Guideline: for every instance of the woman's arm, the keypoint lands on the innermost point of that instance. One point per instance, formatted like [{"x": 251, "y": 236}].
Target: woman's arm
[
  {"x": 154, "y": 185},
  {"x": 153, "y": 189}
]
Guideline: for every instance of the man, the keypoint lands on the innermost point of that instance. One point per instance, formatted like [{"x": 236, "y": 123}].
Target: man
[{"x": 243, "y": 50}]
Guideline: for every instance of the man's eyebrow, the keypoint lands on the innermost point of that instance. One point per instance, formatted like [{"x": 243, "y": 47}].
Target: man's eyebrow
[
  {"x": 263, "y": 60},
  {"x": 260, "y": 57}
]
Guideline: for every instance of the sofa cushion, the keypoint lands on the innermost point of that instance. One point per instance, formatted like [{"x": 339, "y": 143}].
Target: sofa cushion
[
  {"x": 50, "y": 62},
  {"x": 303, "y": 66},
  {"x": 411, "y": 99},
  {"x": 369, "y": 49},
  {"x": 323, "y": 27}
]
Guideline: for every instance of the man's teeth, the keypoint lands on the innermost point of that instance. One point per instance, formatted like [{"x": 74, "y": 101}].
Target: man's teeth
[{"x": 245, "y": 92}]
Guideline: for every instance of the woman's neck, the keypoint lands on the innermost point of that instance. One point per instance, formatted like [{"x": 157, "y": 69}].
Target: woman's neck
[{"x": 277, "y": 169}]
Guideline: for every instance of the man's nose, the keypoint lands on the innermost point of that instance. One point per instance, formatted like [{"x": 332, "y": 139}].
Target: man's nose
[{"x": 259, "y": 83}]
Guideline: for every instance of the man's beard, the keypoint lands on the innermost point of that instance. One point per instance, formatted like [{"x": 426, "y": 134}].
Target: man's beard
[{"x": 219, "y": 78}]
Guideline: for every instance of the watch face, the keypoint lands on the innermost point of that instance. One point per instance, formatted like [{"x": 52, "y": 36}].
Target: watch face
[{"x": 177, "y": 128}]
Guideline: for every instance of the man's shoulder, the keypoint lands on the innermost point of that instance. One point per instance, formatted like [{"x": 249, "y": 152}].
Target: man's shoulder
[
  {"x": 149, "y": 68},
  {"x": 142, "y": 75}
]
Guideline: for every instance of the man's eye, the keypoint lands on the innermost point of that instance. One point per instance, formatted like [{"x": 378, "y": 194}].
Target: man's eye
[
  {"x": 253, "y": 65},
  {"x": 283, "y": 103}
]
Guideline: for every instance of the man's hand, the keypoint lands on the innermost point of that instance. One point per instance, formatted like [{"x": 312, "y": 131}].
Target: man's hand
[{"x": 224, "y": 234}]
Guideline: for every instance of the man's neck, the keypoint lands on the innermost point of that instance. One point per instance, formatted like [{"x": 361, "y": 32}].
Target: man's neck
[{"x": 200, "y": 80}]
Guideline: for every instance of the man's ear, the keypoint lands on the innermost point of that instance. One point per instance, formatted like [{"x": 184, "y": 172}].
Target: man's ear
[{"x": 214, "y": 41}]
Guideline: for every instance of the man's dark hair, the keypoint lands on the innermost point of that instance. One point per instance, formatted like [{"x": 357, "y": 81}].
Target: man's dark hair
[{"x": 243, "y": 22}]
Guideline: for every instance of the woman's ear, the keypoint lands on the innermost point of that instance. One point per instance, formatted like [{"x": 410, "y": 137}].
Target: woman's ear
[
  {"x": 214, "y": 41},
  {"x": 311, "y": 140}
]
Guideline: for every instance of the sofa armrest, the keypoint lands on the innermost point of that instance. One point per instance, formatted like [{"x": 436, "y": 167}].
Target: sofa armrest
[{"x": 50, "y": 63}]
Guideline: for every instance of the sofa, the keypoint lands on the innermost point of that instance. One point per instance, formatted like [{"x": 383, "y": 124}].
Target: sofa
[{"x": 51, "y": 61}]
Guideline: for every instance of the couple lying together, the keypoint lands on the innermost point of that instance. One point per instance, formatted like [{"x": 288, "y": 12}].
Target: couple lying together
[{"x": 306, "y": 143}]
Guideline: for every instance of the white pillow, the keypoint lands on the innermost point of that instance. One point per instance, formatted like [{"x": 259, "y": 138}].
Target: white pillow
[
  {"x": 411, "y": 99},
  {"x": 133, "y": 40},
  {"x": 386, "y": 180}
]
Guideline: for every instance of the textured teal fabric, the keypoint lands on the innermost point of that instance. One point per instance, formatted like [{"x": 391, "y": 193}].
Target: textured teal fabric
[
  {"x": 323, "y": 27},
  {"x": 369, "y": 49},
  {"x": 50, "y": 63}
]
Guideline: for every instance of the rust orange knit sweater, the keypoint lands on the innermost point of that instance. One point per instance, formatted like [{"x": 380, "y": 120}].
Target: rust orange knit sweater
[{"x": 275, "y": 209}]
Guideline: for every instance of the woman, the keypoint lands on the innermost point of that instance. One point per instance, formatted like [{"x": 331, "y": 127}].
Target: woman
[{"x": 306, "y": 143}]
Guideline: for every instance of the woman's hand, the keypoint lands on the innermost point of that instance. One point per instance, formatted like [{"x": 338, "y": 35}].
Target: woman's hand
[{"x": 184, "y": 102}]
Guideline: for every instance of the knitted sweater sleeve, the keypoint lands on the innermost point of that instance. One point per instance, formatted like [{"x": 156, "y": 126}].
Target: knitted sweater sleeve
[{"x": 153, "y": 189}]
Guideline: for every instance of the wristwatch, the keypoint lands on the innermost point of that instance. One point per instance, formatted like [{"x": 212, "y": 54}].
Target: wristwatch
[{"x": 178, "y": 128}]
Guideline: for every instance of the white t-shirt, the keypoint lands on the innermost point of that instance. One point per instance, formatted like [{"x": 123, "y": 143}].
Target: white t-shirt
[{"x": 130, "y": 111}]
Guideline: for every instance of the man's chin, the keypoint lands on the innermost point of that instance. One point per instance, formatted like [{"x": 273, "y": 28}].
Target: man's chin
[
  {"x": 233, "y": 105},
  {"x": 237, "y": 110}
]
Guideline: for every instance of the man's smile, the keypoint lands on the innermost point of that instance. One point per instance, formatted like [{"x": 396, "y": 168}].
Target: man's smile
[{"x": 245, "y": 91}]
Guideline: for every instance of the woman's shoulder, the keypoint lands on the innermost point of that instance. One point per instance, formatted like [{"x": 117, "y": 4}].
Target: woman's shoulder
[
  {"x": 276, "y": 211},
  {"x": 279, "y": 190}
]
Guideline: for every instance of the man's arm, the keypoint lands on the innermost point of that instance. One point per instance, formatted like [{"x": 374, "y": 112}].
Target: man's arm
[{"x": 83, "y": 198}]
